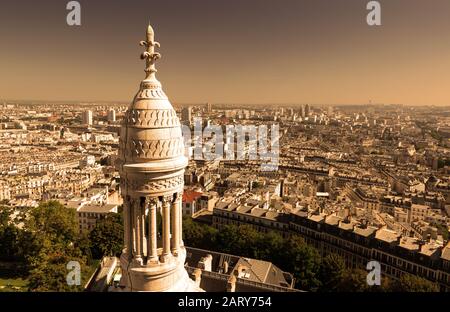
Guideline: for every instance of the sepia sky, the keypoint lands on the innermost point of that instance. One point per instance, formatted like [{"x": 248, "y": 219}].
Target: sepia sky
[{"x": 233, "y": 51}]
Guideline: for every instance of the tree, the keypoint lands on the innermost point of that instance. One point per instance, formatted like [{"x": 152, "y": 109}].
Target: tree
[
  {"x": 442, "y": 230},
  {"x": 107, "y": 236},
  {"x": 49, "y": 277},
  {"x": 354, "y": 280},
  {"x": 228, "y": 239},
  {"x": 48, "y": 269},
  {"x": 239, "y": 240},
  {"x": 269, "y": 245},
  {"x": 11, "y": 236},
  {"x": 292, "y": 255},
  {"x": 255, "y": 184},
  {"x": 412, "y": 283},
  {"x": 247, "y": 243},
  {"x": 5, "y": 216},
  {"x": 84, "y": 244},
  {"x": 51, "y": 238},
  {"x": 331, "y": 273},
  {"x": 54, "y": 220},
  {"x": 302, "y": 260},
  {"x": 199, "y": 235},
  {"x": 10, "y": 243}
]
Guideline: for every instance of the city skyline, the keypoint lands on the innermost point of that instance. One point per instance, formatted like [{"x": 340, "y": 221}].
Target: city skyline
[
  {"x": 261, "y": 52},
  {"x": 150, "y": 197}
]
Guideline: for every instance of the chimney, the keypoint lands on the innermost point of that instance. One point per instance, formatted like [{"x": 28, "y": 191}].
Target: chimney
[
  {"x": 197, "y": 276},
  {"x": 225, "y": 267},
  {"x": 364, "y": 224},
  {"x": 240, "y": 270},
  {"x": 231, "y": 284},
  {"x": 205, "y": 263}
]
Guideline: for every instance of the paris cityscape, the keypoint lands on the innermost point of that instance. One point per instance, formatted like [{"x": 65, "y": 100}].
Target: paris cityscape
[{"x": 155, "y": 195}]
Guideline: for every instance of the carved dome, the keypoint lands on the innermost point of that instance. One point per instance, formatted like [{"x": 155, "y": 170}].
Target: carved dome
[
  {"x": 151, "y": 165},
  {"x": 151, "y": 135},
  {"x": 151, "y": 129}
]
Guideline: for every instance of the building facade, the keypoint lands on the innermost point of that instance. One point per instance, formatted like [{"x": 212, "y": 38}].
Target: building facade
[
  {"x": 87, "y": 118},
  {"x": 357, "y": 244}
]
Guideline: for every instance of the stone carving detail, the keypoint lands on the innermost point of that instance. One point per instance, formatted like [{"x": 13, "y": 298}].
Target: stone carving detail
[
  {"x": 151, "y": 202},
  {"x": 152, "y": 118},
  {"x": 157, "y": 185},
  {"x": 178, "y": 196},
  {"x": 156, "y": 149},
  {"x": 168, "y": 199},
  {"x": 153, "y": 94}
]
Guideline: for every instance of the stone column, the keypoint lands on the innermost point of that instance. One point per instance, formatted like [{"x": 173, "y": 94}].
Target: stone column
[
  {"x": 176, "y": 230},
  {"x": 132, "y": 229},
  {"x": 126, "y": 226},
  {"x": 166, "y": 227},
  {"x": 137, "y": 228},
  {"x": 180, "y": 219},
  {"x": 142, "y": 222},
  {"x": 152, "y": 249}
]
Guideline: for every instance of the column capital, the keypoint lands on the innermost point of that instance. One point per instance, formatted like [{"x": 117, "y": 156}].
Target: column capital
[
  {"x": 167, "y": 199},
  {"x": 178, "y": 196},
  {"x": 151, "y": 201}
]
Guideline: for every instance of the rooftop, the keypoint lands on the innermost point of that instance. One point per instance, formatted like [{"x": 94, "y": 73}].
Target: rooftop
[{"x": 98, "y": 209}]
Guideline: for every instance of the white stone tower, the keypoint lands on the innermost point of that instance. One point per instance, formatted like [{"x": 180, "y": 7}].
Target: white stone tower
[{"x": 151, "y": 165}]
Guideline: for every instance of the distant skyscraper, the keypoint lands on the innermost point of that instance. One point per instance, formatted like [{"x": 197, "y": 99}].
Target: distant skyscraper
[
  {"x": 302, "y": 113},
  {"x": 111, "y": 115},
  {"x": 87, "y": 117},
  {"x": 307, "y": 110},
  {"x": 186, "y": 115},
  {"x": 209, "y": 107}
]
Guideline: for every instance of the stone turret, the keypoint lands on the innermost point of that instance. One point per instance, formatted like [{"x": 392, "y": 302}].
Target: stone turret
[{"x": 151, "y": 166}]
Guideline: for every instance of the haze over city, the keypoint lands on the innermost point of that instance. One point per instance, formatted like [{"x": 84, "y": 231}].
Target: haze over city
[
  {"x": 257, "y": 52},
  {"x": 208, "y": 146}
]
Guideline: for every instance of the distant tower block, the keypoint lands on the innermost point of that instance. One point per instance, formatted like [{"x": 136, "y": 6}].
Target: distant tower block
[
  {"x": 111, "y": 115},
  {"x": 87, "y": 118},
  {"x": 302, "y": 111},
  {"x": 186, "y": 115},
  {"x": 307, "y": 110},
  {"x": 151, "y": 165}
]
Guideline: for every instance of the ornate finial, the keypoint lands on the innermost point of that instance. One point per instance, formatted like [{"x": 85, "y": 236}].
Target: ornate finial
[{"x": 150, "y": 55}]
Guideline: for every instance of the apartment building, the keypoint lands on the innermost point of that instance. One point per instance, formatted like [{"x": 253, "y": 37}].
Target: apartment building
[{"x": 356, "y": 243}]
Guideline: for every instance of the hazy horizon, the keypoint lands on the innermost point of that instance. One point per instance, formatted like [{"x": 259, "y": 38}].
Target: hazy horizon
[
  {"x": 57, "y": 101},
  {"x": 283, "y": 52}
]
